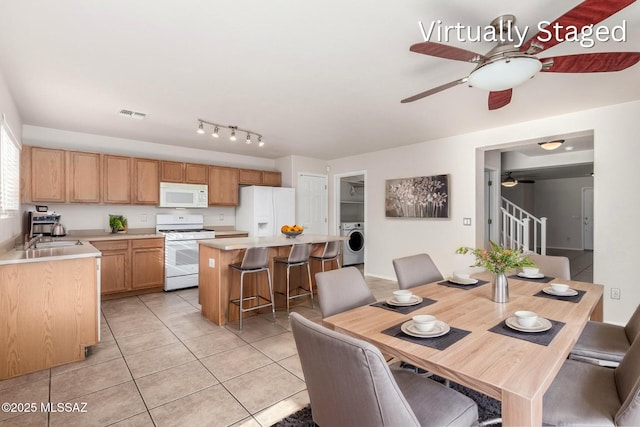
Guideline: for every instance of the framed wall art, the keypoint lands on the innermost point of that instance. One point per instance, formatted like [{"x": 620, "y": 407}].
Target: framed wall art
[{"x": 419, "y": 197}]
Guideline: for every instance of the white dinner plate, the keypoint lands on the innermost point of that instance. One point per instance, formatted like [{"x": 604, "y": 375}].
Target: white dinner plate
[
  {"x": 541, "y": 325},
  {"x": 531, "y": 276},
  {"x": 438, "y": 330},
  {"x": 568, "y": 293},
  {"x": 414, "y": 300},
  {"x": 461, "y": 281}
]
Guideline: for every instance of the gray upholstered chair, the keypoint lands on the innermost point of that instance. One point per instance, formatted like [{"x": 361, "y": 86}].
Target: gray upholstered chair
[
  {"x": 298, "y": 256},
  {"x": 553, "y": 266},
  {"x": 585, "y": 394},
  {"x": 341, "y": 290},
  {"x": 350, "y": 384},
  {"x": 330, "y": 253},
  {"x": 606, "y": 344},
  {"x": 416, "y": 270},
  {"x": 255, "y": 260}
]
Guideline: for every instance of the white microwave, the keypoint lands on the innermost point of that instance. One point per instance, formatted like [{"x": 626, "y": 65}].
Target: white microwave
[{"x": 174, "y": 195}]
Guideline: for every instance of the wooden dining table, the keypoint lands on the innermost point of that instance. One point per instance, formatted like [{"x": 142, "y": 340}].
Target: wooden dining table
[{"x": 489, "y": 356}]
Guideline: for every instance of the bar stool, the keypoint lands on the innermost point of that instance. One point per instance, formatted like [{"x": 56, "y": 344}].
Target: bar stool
[
  {"x": 298, "y": 256},
  {"x": 255, "y": 260},
  {"x": 330, "y": 253}
]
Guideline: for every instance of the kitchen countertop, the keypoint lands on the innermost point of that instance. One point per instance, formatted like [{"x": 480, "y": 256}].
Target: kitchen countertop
[
  {"x": 16, "y": 256},
  {"x": 270, "y": 241}
]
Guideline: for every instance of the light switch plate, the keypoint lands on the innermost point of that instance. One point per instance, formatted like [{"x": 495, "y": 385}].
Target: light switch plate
[{"x": 466, "y": 221}]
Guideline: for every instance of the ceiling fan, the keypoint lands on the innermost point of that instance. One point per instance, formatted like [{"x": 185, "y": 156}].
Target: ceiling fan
[
  {"x": 509, "y": 181},
  {"x": 506, "y": 66}
]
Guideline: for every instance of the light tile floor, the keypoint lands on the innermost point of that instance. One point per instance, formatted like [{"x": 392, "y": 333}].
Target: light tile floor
[{"x": 161, "y": 363}]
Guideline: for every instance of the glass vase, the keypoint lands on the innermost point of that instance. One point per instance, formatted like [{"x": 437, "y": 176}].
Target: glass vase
[{"x": 500, "y": 288}]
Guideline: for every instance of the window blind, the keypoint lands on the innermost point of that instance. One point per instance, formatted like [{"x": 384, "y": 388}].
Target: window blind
[{"x": 9, "y": 171}]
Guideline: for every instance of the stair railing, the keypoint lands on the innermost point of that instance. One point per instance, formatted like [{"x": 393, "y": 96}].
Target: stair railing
[{"x": 521, "y": 229}]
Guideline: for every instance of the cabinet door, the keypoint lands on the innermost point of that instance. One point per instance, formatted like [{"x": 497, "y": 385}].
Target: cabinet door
[
  {"x": 116, "y": 179},
  {"x": 223, "y": 186},
  {"x": 171, "y": 171},
  {"x": 146, "y": 185},
  {"x": 147, "y": 260},
  {"x": 272, "y": 179},
  {"x": 113, "y": 272},
  {"x": 250, "y": 177},
  {"x": 47, "y": 175},
  {"x": 83, "y": 177},
  {"x": 195, "y": 174}
]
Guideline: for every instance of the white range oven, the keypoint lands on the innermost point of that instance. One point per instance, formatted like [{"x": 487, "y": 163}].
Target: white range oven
[{"x": 181, "y": 233}]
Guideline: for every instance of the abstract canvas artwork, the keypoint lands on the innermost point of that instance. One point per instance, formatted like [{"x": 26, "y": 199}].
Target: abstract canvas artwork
[{"x": 420, "y": 197}]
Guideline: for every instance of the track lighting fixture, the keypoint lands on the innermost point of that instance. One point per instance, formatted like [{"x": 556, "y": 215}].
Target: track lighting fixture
[
  {"x": 551, "y": 145},
  {"x": 232, "y": 134}
]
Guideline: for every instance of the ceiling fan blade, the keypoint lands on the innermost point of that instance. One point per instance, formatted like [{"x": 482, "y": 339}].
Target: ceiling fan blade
[
  {"x": 590, "y": 62},
  {"x": 499, "y": 99},
  {"x": 434, "y": 90},
  {"x": 446, "y": 52},
  {"x": 586, "y": 13}
]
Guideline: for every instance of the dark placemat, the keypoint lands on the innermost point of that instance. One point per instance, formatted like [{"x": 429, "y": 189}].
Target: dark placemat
[
  {"x": 404, "y": 309},
  {"x": 575, "y": 298},
  {"x": 465, "y": 287},
  {"x": 545, "y": 279},
  {"x": 542, "y": 338},
  {"x": 439, "y": 343}
]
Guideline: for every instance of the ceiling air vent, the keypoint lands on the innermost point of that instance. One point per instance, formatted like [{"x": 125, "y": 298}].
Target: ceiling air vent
[{"x": 133, "y": 114}]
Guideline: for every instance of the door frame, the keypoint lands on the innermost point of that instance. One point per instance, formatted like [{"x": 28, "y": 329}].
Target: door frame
[
  {"x": 583, "y": 224},
  {"x": 336, "y": 197}
]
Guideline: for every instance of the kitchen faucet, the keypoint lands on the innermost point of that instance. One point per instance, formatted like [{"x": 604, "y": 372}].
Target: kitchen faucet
[{"x": 33, "y": 242}]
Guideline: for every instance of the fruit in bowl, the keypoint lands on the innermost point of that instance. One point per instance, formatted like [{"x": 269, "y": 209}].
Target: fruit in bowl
[{"x": 291, "y": 231}]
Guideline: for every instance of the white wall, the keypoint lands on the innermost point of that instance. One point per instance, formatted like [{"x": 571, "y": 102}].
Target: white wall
[
  {"x": 10, "y": 228},
  {"x": 615, "y": 155},
  {"x": 560, "y": 201}
]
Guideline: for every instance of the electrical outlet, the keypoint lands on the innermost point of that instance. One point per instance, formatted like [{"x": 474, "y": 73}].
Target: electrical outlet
[
  {"x": 221, "y": 217},
  {"x": 212, "y": 262},
  {"x": 615, "y": 293}
]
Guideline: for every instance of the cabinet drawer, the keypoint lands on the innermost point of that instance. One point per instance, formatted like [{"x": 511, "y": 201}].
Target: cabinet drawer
[
  {"x": 147, "y": 243},
  {"x": 111, "y": 245}
]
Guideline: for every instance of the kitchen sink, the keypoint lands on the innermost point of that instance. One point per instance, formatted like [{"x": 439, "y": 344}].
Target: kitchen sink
[{"x": 58, "y": 244}]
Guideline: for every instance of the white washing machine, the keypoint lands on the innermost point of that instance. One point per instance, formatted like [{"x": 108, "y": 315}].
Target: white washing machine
[{"x": 353, "y": 247}]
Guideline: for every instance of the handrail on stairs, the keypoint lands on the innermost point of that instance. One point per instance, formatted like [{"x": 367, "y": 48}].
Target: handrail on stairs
[{"x": 521, "y": 228}]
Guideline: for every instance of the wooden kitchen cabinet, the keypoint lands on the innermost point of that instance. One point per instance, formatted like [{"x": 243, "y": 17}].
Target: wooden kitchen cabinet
[
  {"x": 83, "y": 177},
  {"x": 195, "y": 173},
  {"x": 114, "y": 266},
  {"x": 146, "y": 183},
  {"x": 116, "y": 179},
  {"x": 48, "y": 175},
  {"x": 272, "y": 179},
  {"x": 171, "y": 171},
  {"x": 223, "y": 186},
  {"x": 258, "y": 177},
  {"x": 147, "y": 260}
]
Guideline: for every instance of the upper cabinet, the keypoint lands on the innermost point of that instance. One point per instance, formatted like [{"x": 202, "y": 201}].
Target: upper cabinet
[
  {"x": 146, "y": 183},
  {"x": 116, "y": 179},
  {"x": 188, "y": 173},
  {"x": 223, "y": 186},
  {"x": 258, "y": 177},
  {"x": 48, "y": 175},
  {"x": 83, "y": 177}
]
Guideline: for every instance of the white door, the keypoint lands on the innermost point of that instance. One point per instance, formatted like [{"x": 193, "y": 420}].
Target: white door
[
  {"x": 313, "y": 201},
  {"x": 587, "y": 218}
]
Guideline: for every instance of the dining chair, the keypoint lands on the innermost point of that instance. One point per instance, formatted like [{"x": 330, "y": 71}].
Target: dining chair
[
  {"x": 350, "y": 384},
  {"x": 255, "y": 260},
  {"x": 605, "y": 344},
  {"x": 416, "y": 270},
  {"x": 552, "y": 266},
  {"x": 331, "y": 252},
  {"x": 586, "y": 394},
  {"x": 341, "y": 290}
]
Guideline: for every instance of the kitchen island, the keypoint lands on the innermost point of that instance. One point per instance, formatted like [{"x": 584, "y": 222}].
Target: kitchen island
[{"x": 215, "y": 276}]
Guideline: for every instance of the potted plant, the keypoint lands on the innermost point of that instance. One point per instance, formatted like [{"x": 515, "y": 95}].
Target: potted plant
[{"x": 118, "y": 223}]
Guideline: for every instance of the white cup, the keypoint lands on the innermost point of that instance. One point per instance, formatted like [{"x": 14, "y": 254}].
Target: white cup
[
  {"x": 526, "y": 319},
  {"x": 559, "y": 287},
  {"x": 402, "y": 295},
  {"x": 530, "y": 271},
  {"x": 424, "y": 322}
]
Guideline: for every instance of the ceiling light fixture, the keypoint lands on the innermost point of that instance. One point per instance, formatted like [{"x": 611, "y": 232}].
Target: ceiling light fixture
[
  {"x": 232, "y": 134},
  {"x": 551, "y": 145},
  {"x": 509, "y": 181},
  {"x": 504, "y": 72}
]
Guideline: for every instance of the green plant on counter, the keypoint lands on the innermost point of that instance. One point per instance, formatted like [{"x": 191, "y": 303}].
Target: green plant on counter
[{"x": 117, "y": 223}]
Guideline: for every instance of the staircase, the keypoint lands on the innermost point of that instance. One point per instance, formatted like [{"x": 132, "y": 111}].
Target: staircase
[{"x": 522, "y": 230}]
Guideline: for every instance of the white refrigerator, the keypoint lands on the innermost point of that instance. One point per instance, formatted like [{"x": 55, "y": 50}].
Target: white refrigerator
[{"x": 263, "y": 210}]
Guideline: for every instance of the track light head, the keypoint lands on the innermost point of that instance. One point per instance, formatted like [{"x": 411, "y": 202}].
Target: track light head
[
  {"x": 232, "y": 137},
  {"x": 260, "y": 141},
  {"x": 215, "y": 133},
  {"x": 248, "y": 140},
  {"x": 200, "y": 128}
]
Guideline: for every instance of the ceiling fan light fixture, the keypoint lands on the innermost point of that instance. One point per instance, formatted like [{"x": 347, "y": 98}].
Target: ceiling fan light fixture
[
  {"x": 551, "y": 145},
  {"x": 509, "y": 181},
  {"x": 504, "y": 73}
]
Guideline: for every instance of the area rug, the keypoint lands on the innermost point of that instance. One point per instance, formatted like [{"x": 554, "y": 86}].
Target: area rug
[{"x": 488, "y": 408}]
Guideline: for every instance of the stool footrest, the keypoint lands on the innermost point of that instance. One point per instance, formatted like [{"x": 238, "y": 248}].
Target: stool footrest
[{"x": 267, "y": 303}]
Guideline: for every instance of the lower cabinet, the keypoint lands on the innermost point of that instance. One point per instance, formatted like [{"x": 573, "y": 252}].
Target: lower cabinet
[{"x": 131, "y": 264}]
